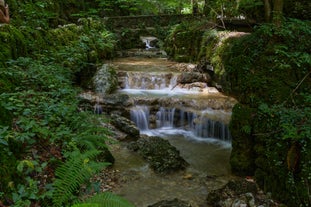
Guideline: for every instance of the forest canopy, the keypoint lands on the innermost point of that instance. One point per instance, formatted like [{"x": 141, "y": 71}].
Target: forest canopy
[{"x": 47, "y": 12}]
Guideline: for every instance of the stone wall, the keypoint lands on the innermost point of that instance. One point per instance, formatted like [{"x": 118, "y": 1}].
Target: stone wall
[{"x": 132, "y": 22}]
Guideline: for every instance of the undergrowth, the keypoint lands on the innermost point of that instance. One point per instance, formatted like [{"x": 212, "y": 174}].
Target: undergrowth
[{"x": 49, "y": 145}]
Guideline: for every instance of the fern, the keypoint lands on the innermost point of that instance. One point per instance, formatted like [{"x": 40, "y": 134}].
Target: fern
[
  {"x": 75, "y": 171},
  {"x": 106, "y": 199}
]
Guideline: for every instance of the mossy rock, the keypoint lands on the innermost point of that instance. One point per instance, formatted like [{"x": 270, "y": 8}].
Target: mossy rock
[
  {"x": 242, "y": 158},
  {"x": 105, "y": 80},
  {"x": 160, "y": 154}
]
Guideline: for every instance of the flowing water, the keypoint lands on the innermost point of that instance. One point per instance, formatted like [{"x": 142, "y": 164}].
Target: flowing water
[{"x": 194, "y": 120}]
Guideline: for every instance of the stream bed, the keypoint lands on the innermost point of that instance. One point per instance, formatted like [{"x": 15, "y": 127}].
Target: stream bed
[{"x": 208, "y": 156}]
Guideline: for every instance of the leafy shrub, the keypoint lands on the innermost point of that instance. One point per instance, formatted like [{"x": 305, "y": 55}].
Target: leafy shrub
[
  {"x": 42, "y": 123},
  {"x": 269, "y": 72}
]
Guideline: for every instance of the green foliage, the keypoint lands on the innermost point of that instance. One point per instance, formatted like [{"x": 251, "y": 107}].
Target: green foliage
[
  {"x": 298, "y": 9},
  {"x": 285, "y": 133},
  {"x": 41, "y": 123},
  {"x": 269, "y": 63},
  {"x": 78, "y": 168},
  {"x": 106, "y": 199},
  {"x": 252, "y": 9},
  {"x": 12, "y": 43},
  {"x": 269, "y": 73},
  {"x": 183, "y": 41}
]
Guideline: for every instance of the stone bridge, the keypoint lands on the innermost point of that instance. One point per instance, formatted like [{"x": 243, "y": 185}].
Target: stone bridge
[
  {"x": 146, "y": 21},
  {"x": 130, "y": 29}
]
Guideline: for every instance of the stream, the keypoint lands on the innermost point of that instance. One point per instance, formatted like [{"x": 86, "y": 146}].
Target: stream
[{"x": 193, "y": 119}]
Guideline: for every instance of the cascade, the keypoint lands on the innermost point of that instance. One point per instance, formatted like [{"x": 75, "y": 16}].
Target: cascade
[
  {"x": 199, "y": 124},
  {"x": 193, "y": 121},
  {"x": 168, "y": 107},
  {"x": 140, "y": 116},
  {"x": 149, "y": 81},
  {"x": 165, "y": 117}
]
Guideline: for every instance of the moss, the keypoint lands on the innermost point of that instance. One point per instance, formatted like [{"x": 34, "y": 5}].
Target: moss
[
  {"x": 183, "y": 42},
  {"x": 260, "y": 64},
  {"x": 242, "y": 158},
  {"x": 12, "y": 43}
]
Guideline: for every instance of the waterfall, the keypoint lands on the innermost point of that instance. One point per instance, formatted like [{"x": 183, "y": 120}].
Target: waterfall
[
  {"x": 149, "y": 81},
  {"x": 173, "y": 81},
  {"x": 140, "y": 116},
  {"x": 207, "y": 128},
  {"x": 165, "y": 117},
  {"x": 197, "y": 122}
]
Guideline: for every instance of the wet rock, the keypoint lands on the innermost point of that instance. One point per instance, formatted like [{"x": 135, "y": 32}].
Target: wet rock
[
  {"x": 191, "y": 77},
  {"x": 196, "y": 86},
  {"x": 204, "y": 65},
  {"x": 239, "y": 193},
  {"x": 171, "y": 203},
  {"x": 116, "y": 103},
  {"x": 117, "y": 100},
  {"x": 184, "y": 67},
  {"x": 125, "y": 125},
  {"x": 159, "y": 153}
]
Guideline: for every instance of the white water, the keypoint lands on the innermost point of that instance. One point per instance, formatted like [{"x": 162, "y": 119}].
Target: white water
[
  {"x": 150, "y": 81},
  {"x": 184, "y": 123},
  {"x": 140, "y": 116}
]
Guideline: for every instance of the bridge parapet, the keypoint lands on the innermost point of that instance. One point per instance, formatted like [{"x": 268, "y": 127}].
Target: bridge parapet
[
  {"x": 134, "y": 22},
  {"x": 145, "y": 21}
]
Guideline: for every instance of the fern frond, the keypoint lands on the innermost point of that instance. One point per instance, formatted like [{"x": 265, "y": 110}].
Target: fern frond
[
  {"x": 106, "y": 199},
  {"x": 75, "y": 171},
  {"x": 86, "y": 205},
  {"x": 92, "y": 138}
]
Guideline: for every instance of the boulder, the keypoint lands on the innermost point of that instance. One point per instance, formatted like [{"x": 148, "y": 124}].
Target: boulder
[
  {"x": 117, "y": 100},
  {"x": 171, "y": 203},
  {"x": 116, "y": 103},
  {"x": 125, "y": 125},
  {"x": 105, "y": 80},
  {"x": 191, "y": 77},
  {"x": 160, "y": 154},
  {"x": 239, "y": 193}
]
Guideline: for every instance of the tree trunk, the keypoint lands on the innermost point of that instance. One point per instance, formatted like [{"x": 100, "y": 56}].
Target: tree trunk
[
  {"x": 267, "y": 5},
  {"x": 195, "y": 7},
  {"x": 206, "y": 9},
  {"x": 277, "y": 12}
]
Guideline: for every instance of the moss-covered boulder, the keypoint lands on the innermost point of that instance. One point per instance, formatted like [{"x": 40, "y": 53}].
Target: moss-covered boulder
[
  {"x": 159, "y": 153},
  {"x": 125, "y": 125},
  {"x": 242, "y": 158},
  {"x": 105, "y": 80},
  {"x": 269, "y": 73}
]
